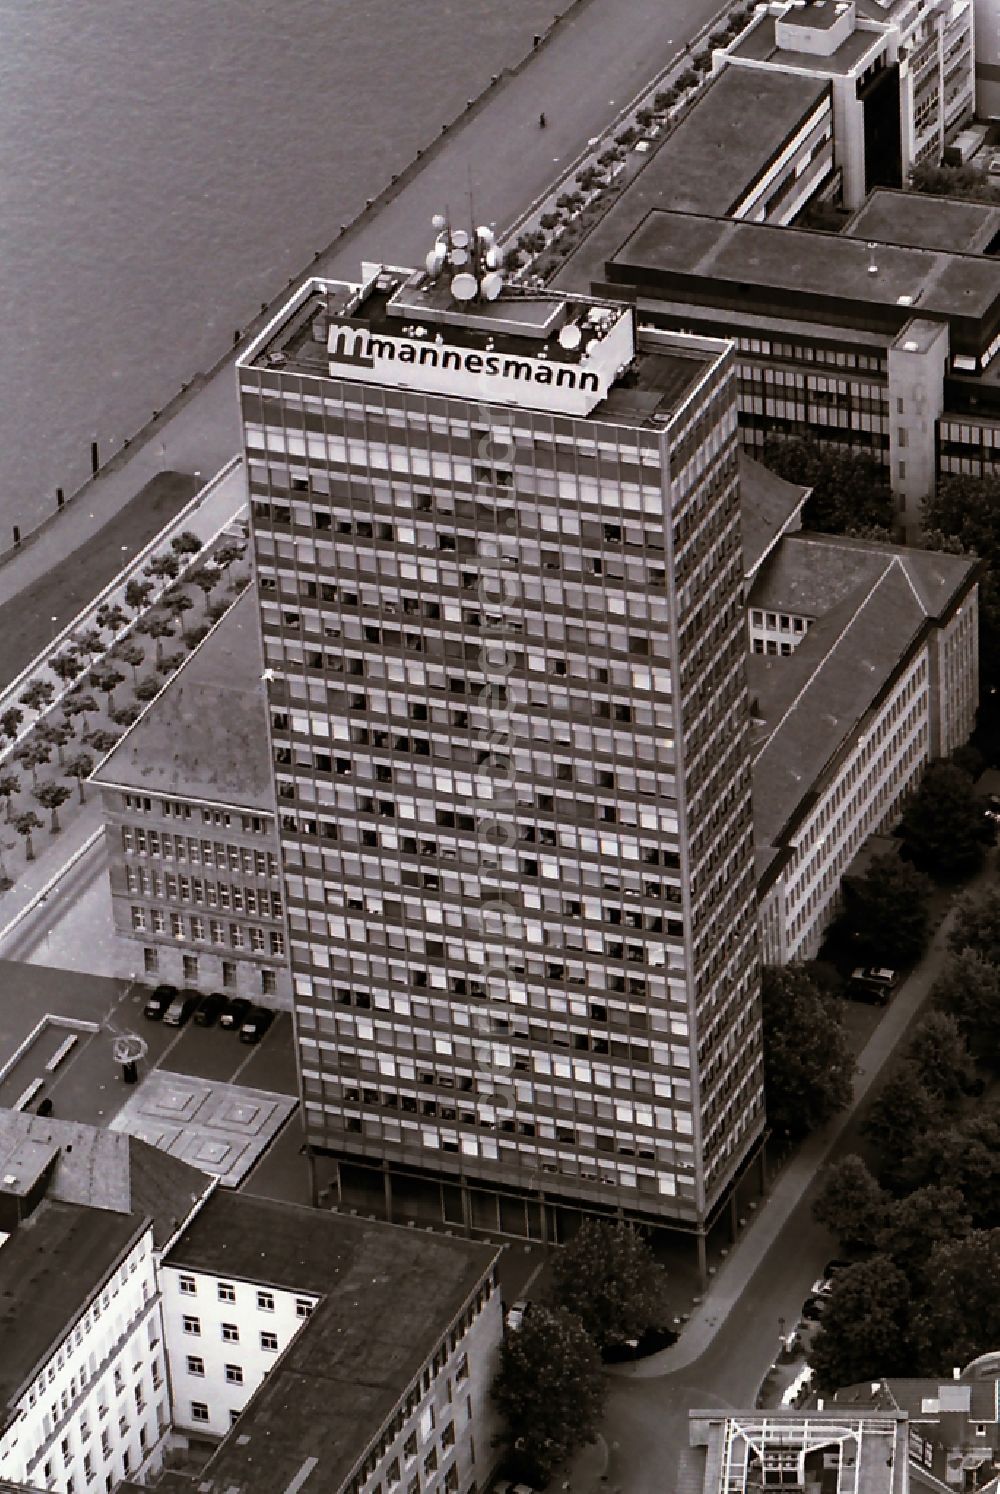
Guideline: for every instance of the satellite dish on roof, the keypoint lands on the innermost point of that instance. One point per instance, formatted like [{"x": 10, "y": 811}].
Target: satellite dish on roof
[
  {"x": 492, "y": 285},
  {"x": 435, "y": 261},
  {"x": 493, "y": 257},
  {"x": 485, "y": 234},
  {"x": 464, "y": 287},
  {"x": 439, "y": 221},
  {"x": 570, "y": 336},
  {"x": 459, "y": 238},
  {"x": 460, "y": 256}
]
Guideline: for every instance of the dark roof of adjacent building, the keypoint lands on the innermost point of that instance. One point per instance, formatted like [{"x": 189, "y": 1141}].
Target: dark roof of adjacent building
[
  {"x": 98, "y": 1169},
  {"x": 869, "y": 604},
  {"x": 769, "y": 507},
  {"x": 206, "y": 736},
  {"x": 726, "y": 141},
  {"x": 387, "y": 1296},
  {"x": 890, "y": 216},
  {"x": 805, "y": 266},
  {"x": 50, "y": 1268}
]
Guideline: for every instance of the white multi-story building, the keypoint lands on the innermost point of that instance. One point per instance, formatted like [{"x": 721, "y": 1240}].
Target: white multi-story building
[
  {"x": 83, "y": 1387},
  {"x": 864, "y": 667},
  {"x": 901, "y": 73},
  {"x": 350, "y": 1356}
]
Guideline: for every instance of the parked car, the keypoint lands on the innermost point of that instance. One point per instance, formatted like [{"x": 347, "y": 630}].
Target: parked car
[
  {"x": 209, "y": 1009},
  {"x": 872, "y": 983},
  {"x": 813, "y": 1308},
  {"x": 255, "y": 1024},
  {"x": 180, "y": 1009},
  {"x": 158, "y": 1002},
  {"x": 825, "y": 1284},
  {"x": 234, "y": 1012},
  {"x": 515, "y": 1315}
]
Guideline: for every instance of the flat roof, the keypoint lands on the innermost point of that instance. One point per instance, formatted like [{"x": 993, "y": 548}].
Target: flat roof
[
  {"x": 808, "y": 269},
  {"x": 709, "y": 159},
  {"x": 100, "y": 1169},
  {"x": 871, "y": 1451},
  {"x": 868, "y": 603},
  {"x": 760, "y": 44},
  {"x": 388, "y": 1294},
  {"x": 206, "y": 736},
  {"x": 50, "y": 1268},
  {"x": 891, "y": 216},
  {"x": 656, "y": 384}
]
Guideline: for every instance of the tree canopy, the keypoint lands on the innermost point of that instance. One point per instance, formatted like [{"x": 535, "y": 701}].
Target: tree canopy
[
  {"x": 913, "y": 1225},
  {"x": 607, "y": 1276},
  {"x": 852, "y": 1204},
  {"x": 808, "y": 1066},
  {"x": 959, "y": 1317},
  {"x": 898, "y": 1118},
  {"x": 887, "y": 911},
  {"x": 865, "y": 1328},
  {"x": 943, "y": 826},
  {"x": 965, "y": 180},
  {"x": 976, "y": 925},
  {"x": 849, "y": 490},
  {"x": 550, "y": 1387},
  {"x": 966, "y": 510},
  {"x": 968, "y": 988},
  {"x": 963, "y": 1156},
  {"x": 941, "y": 1057}
]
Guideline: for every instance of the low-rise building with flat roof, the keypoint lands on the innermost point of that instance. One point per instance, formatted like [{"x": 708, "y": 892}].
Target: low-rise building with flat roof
[
  {"x": 348, "y": 1356},
  {"x": 744, "y": 1452},
  {"x": 189, "y": 823},
  {"x": 711, "y": 162}
]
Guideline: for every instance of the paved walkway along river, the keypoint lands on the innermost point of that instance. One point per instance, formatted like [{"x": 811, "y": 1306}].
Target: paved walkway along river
[{"x": 599, "y": 56}]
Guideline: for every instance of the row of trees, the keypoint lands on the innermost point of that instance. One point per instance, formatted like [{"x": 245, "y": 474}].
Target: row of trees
[
  {"x": 607, "y": 1291},
  {"x": 808, "y": 1063},
  {"x": 927, "y": 1221},
  {"x": 88, "y": 653}
]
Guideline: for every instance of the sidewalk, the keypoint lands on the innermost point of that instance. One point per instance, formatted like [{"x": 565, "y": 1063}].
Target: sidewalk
[{"x": 595, "y": 61}]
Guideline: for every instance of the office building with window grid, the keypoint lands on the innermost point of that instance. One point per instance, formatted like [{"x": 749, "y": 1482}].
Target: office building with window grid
[
  {"x": 497, "y": 548},
  {"x": 348, "y": 1356},
  {"x": 189, "y": 827}
]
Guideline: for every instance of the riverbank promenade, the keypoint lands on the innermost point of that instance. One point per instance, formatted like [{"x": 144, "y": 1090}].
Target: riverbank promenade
[{"x": 594, "y": 61}]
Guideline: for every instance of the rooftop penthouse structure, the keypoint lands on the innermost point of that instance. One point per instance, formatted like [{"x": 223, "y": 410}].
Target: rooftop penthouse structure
[{"x": 500, "y": 576}]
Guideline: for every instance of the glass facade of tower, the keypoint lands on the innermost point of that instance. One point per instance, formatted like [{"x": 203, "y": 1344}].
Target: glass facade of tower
[{"x": 508, "y": 717}]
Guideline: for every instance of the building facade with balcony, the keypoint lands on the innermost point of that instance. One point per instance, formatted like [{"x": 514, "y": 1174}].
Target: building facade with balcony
[
  {"x": 346, "y": 1355},
  {"x": 510, "y": 516},
  {"x": 190, "y": 827}
]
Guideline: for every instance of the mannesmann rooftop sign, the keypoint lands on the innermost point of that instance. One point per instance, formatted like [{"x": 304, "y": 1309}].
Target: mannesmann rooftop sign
[{"x": 444, "y": 368}]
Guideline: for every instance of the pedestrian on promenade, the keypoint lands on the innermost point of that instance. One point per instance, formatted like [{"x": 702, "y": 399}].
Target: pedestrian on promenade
[{"x": 541, "y": 121}]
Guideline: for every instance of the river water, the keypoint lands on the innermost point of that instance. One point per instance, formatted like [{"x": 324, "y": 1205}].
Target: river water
[{"x": 167, "y": 165}]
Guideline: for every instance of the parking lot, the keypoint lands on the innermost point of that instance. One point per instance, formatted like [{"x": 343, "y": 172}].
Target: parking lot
[{"x": 87, "y": 1085}]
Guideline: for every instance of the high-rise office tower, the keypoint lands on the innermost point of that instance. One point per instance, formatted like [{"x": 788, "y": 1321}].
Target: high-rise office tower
[{"x": 498, "y": 551}]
